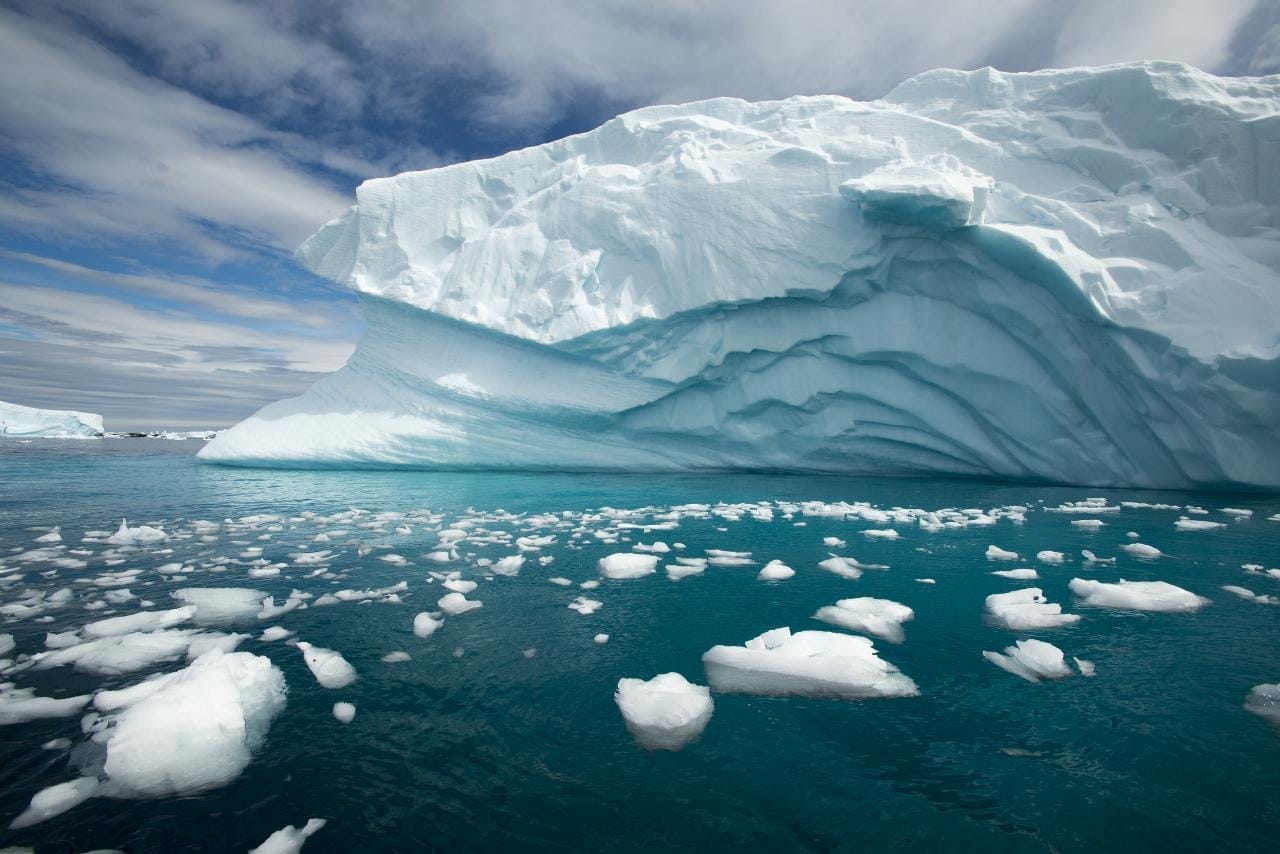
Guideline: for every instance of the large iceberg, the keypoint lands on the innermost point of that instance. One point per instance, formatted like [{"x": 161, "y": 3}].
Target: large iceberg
[
  {"x": 26, "y": 422},
  {"x": 1066, "y": 275}
]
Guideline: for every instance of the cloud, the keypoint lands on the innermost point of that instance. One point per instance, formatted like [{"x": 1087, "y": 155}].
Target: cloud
[{"x": 149, "y": 367}]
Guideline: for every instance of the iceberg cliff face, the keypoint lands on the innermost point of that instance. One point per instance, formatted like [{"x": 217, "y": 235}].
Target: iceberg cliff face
[
  {"x": 1068, "y": 275},
  {"x": 25, "y": 422}
]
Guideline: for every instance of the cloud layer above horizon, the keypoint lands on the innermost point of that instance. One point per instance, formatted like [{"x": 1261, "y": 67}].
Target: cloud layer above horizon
[{"x": 162, "y": 160}]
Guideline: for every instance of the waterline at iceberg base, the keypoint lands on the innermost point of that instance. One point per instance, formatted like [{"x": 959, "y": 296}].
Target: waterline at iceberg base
[{"x": 1068, "y": 276}]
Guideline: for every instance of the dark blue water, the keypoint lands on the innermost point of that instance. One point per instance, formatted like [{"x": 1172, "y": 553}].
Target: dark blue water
[{"x": 488, "y": 750}]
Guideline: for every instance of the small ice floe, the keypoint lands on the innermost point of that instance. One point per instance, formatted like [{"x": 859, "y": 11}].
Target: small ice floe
[
  {"x": 1264, "y": 700},
  {"x": 509, "y": 565},
  {"x": 926, "y": 581},
  {"x": 1093, "y": 524},
  {"x": 456, "y": 603},
  {"x": 143, "y": 621},
  {"x": 459, "y": 585},
  {"x": 20, "y": 705},
  {"x": 997, "y": 553},
  {"x": 126, "y": 536},
  {"x": 54, "y": 536},
  {"x": 601, "y": 638},
  {"x": 396, "y": 657},
  {"x": 1136, "y": 595},
  {"x": 881, "y": 534},
  {"x": 880, "y": 617},
  {"x": 1091, "y": 559},
  {"x": 1022, "y": 610},
  {"x": 585, "y": 606},
  {"x": 55, "y": 800},
  {"x": 274, "y": 633},
  {"x": 289, "y": 839},
  {"x": 344, "y": 712},
  {"x": 327, "y": 665},
  {"x": 425, "y": 625},
  {"x": 657, "y": 547},
  {"x": 394, "y": 559},
  {"x": 1086, "y": 668},
  {"x": 805, "y": 664},
  {"x": 560, "y": 582},
  {"x": 1141, "y": 550},
  {"x": 775, "y": 570},
  {"x": 118, "y": 654},
  {"x": 219, "y": 605},
  {"x": 847, "y": 567},
  {"x": 666, "y": 712},
  {"x": 1032, "y": 660},
  {"x": 1246, "y": 593},
  {"x": 625, "y": 565},
  {"x": 270, "y": 610},
  {"x": 1017, "y": 574},
  {"x": 833, "y": 542},
  {"x": 1185, "y": 524},
  {"x": 1238, "y": 512},
  {"x": 592, "y": 584},
  {"x": 1048, "y": 556},
  {"x": 721, "y": 557}
]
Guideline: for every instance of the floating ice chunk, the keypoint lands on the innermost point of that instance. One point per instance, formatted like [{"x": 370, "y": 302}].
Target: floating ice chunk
[
  {"x": 394, "y": 559},
  {"x": 455, "y": 603},
  {"x": 509, "y": 565},
  {"x": 592, "y": 584},
  {"x": 1264, "y": 700},
  {"x": 20, "y": 705},
  {"x": 55, "y": 800},
  {"x": 997, "y": 553},
  {"x": 1086, "y": 668},
  {"x": 833, "y": 542},
  {"x": 144, "y": 621},
  {"x": 328, "y": 666},
  {"x": 601, "y": 638},
  {"x": 344, "y": 712},
  {"x": 1091, "y": 558},
  {"x": 585, "y": 606},
  {"x": 218, "y": 605},
  {"x": 845, "y": 567},
  {"x": 119, "y": 654},
  {"x": 1237, "y": 512},
  {"x": 1136, "y": 595},
  {"x": 270, "y": 610},
  {"x": 126, "y": 536},
  {"x": 775, "y": 570},
  {"x": 1088, "y": 523},
  {"x": 657, "y": 547},
  {"x": 880, "y": 617},
  {"x": 396, "y": 657},
  {"x": 926, "y": 581},
  {"x": 625, "y": 565},
  {"x": 1017, "y": 574},
  {"x": 881, "y": 533},
  {"x": 189, "y": 731},
  {"x": 459, "y": 585},
  {"x": 274, "y": 633},
  {"x": 1185, "y": 524},
  {"x": 1141, "y": 550},
  {"x": 6, "y": 643},
  {"x": 289, "y": 840},
  {"x": 666, "y": 712},
  {"x": 1022, "y": 610},
  {"x": 806, "y": 664},
  {"x": 54, "y": 536},
  {"x": 1031, "y": 660},
  {"x": 1246, "y": 593},
  {"x": 560, "y": 582},
  {"x": 1050, "y": 556},
  {"x": 425, "y": 625}
]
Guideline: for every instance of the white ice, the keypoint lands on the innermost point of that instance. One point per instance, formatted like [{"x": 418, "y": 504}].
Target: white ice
[
  {"x": 1136, "y": 595},
  {"x": 880, "y": 617},
  {"x": 666, "y": 712}
]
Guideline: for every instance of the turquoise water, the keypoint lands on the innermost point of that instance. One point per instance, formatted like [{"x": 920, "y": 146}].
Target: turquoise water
[{"x": 472, "y": 746}]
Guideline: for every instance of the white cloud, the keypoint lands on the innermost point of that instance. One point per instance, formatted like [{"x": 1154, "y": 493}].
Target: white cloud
[{"x": 1193, "y": 31}]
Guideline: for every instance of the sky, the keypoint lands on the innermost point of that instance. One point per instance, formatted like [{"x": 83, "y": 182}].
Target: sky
[{"x": 161, "y": 161}]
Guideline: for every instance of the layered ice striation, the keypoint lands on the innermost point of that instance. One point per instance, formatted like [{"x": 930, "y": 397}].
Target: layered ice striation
[
  {"x": 25, "y": 422},
  {"x": 1066, "y": 275}
]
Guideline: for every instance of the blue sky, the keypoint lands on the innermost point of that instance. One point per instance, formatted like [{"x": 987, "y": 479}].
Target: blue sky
[{"x": 162, "y": 160}]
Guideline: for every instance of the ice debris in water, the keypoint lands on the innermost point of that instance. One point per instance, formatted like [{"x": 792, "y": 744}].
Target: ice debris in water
[
  {"x": 1249, "y": 595},
  {"x": 997, "y": 553},
  {"x": 664, "y": 713},
  {"x": 775, "y": 570},
  {"x": 1264, "y": 700},
  {"x": 289, "y": 839},
  {"x": 625, "y": 565},
  {"x": 55, "y": 800},
  {"x": 1017, "y": 574},
  {"x": 456, "y": 603},
  {"x": 219, "y": 605},
  {"x": 880, "y": 617},
  {"x": 425, "y": 625},
  {"x": 1021, "y": 610},
  {"x": 805, "y": 664},
  {"x": 126, "y": 536},
  {"x": 20, "y": 705},
  {"x": 585, "y": 606},
  {"x": 328, "y": 666},
  {"x": 396, "y": 657},
  {"x": 1136, "y": 595},
  {"x": 1141, "y": 550},
  {"x": 1031, "y": 660},
  {"x": 344, "y": 712},
  {"x": 601, "y": 638}
]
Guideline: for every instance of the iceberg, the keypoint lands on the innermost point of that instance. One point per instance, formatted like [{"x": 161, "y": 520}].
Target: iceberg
[
  {"x": 666, "y": 712},
  {"x": 26, "y": 422},
  {"x": 1064, "y": 275}
]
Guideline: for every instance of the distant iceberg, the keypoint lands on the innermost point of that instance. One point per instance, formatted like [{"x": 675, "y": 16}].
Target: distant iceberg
[
  {"x": 26, "y": 422},
  {"x": 1066, "y": 275}
]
